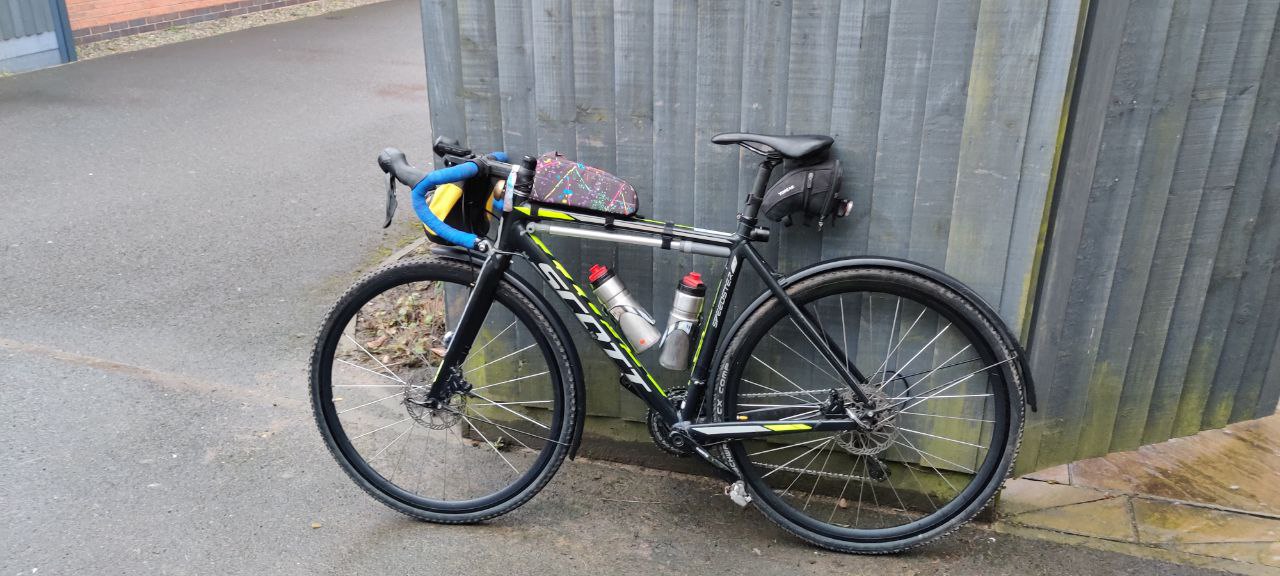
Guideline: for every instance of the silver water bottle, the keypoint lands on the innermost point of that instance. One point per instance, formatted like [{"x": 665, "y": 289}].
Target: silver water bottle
[
  {"x": 683, "y": 321},
  {"x": 636, "y": 323}
]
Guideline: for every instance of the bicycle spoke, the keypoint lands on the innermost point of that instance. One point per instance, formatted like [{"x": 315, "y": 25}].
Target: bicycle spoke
[
  {"x": 373, "y": 402},
  {"x": 934, "y": 468},
  {"x": 776, "y": 391},
  {"x": 806, "y": 452},
  {"x": 781, "y": 375},
  {"x": 510, "y": 429},
  {"x": 784, "y": 447},
  {"x": 513, "y": 412},
  {"x": 917, "y": 354},
  {"x": 498, "y": 359},
  {"x": 375, "y": 359},
  {"x": 802, "y": 357},
  {"x": 950, "y": 417},
  {"x": 486, "y": 441},
  {"x": 940, "y": 437},
  {"x": 380, "y": 429},
  {"x": 516, "y": 379},
  {"x": 384, "y": 448},
  {"x": 378, "y": 374},
  {"x": 476, "y": 353}
]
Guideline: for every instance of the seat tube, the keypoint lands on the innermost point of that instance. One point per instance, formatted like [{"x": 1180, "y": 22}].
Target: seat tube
[{"x": 752, "y": 208}]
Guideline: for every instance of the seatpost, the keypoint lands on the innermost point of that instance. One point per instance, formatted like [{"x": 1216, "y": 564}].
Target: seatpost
[{"x": 748, "y": 219}]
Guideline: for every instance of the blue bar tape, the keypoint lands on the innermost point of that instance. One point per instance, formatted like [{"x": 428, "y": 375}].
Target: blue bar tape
[{"x": 439, "y": 228}]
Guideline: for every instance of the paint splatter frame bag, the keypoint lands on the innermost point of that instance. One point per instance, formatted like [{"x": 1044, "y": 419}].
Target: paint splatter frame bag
[{"x": 560, "y": 181}]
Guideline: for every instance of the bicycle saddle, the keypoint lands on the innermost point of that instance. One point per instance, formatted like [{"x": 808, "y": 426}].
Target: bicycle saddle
[{"x": 785, "y": 146}]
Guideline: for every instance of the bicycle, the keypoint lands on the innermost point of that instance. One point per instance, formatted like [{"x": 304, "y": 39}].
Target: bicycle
[{"x": 863, "y": 377}]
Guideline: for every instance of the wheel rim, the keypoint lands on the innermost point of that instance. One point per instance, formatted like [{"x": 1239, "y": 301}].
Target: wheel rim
[
  {"x": 941, "y": 445},
  {"x": 484, "y": 447}
]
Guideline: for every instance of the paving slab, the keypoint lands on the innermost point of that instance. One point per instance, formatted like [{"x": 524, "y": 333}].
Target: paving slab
[
  {"x": 1108, "y": 519},
  {"x": 1164, "y": 522},
  {"x": 1237, "y": 467},
  {"x": 1022, "y": 495}
]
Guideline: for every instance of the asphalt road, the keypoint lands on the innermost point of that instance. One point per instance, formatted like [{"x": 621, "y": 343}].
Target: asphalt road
[{"x": 173, "y": 224}]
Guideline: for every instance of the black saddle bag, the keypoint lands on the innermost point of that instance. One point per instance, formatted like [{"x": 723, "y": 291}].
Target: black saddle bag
[{"x": 810, "y": 190}]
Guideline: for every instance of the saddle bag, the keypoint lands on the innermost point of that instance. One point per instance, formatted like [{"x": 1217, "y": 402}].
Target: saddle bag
[
  {"x": 561, "y": 181},
  {"x": 811, "y": 190}
]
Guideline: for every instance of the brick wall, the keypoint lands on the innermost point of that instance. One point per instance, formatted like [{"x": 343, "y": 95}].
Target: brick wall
[{"x": 93, "y": 20}]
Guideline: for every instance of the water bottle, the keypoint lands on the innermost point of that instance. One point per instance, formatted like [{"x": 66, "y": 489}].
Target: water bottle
[
  {"x": 682, "y": 322},
  {"x": 636, "y": 323}
]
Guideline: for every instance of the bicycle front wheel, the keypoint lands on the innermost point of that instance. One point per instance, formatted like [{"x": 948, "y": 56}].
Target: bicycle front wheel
[
  {"x": 484, "y": 452},
  {"x": 952, "y": 400}
]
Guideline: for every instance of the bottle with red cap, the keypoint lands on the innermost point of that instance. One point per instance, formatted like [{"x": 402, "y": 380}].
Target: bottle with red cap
[
  {"x": 683, "y": 322},
  {"x": 636, "y": 323}
]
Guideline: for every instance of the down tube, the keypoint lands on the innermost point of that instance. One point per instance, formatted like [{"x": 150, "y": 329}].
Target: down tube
[{"x": 598, "y": 325}]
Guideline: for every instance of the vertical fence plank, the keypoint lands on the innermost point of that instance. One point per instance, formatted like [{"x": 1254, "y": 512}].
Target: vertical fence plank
[
  {"x": 1172, "y": 247},
  {"x": 633, "y": 112},
  {"x": 595, "y": 141},
  {"x": 855, "y": 117},
  {"x": 906, "y": 79},
  {"x": 1210, "y": 283},
  {"x": 481, "y": 97},
  {"x": 1163, "y": 148},
  {"x": 716, "y": 192},
  {"x": 766, "y": 47},
  {"x": 444, "y": 73},
  {"x": 944, "y": 119},
  {"x": 812, "y": 61},
  {"x": 675, "y": 76},
  {"x": 1001, "y": 83},
  {"x": 515, "y": 78},
  {"x": 1045, "y": 129},
  {"x": 1225, "y": 370},
  {"x": 1049, "y": 339}
]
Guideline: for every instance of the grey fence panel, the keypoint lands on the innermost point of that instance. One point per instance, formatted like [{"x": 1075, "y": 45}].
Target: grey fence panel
[
  {"x": 30, "y": 36},
  {"x": 1153, "y": 317},
  {"x": 20, "y": 18},
  {"x": 934, "y": 123}
]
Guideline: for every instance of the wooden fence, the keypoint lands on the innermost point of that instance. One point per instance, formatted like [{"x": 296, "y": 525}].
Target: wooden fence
[
  {"x": 1160, "y": 308},
  {"x": 949, "y": 117}
]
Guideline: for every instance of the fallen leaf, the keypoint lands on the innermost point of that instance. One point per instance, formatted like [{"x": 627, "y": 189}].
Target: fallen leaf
[
  {"x": 438, "y": 351},
  {"x": 377, "y": 342}
]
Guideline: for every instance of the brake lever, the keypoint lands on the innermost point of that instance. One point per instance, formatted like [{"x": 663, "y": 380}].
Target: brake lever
[{"x": 391, "y": 200}]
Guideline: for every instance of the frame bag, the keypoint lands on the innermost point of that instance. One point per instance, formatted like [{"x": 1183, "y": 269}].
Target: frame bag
[
  {"x": 812, "y": 190},
  {"x": 561, "y": 181}
]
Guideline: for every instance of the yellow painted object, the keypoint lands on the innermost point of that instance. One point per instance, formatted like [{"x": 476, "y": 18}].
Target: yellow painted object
[{"x": 444, "y": 198}]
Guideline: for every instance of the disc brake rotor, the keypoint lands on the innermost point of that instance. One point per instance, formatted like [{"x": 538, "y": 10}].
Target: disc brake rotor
[
  {"x": 877, "y": 439},
  {"x": 419, "y": 407}
]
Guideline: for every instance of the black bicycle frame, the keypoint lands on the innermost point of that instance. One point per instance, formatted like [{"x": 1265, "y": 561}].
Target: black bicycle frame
[{"x": 519, "y": 230}]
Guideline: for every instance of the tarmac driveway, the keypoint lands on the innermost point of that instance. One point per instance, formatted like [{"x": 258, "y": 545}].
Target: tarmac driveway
[{"x": 173, "y": 224}]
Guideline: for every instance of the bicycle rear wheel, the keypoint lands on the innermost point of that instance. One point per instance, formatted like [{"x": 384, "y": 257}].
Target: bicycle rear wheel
[
  {"x": 946, "y": 443},
  {"x": 486, "y": 451}
]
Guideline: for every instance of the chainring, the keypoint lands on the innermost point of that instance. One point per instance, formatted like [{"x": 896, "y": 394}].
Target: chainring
[{"x": 660, "y": 432}]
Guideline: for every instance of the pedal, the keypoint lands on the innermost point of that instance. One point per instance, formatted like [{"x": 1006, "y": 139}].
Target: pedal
[{"x": 738, "y": 493}]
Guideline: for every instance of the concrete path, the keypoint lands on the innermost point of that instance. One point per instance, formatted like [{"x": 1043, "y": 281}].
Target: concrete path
[
  {"x": 174, "y": 224},
  {"x": 1209, "y": 499}
]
